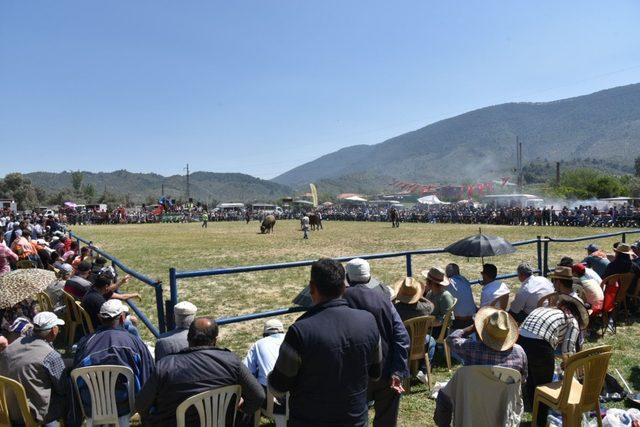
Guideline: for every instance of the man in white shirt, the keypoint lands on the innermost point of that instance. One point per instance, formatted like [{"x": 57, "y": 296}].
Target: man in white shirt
[
  {"x": 590, "y": 274},
  {"x": 532, "y": 288},
  {"x": 263, "y": 353},
  {"x": 494, "y": 293}
]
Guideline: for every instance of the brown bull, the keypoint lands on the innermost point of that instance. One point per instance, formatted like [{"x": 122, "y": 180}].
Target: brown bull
[{"x": 267, "y": 224}]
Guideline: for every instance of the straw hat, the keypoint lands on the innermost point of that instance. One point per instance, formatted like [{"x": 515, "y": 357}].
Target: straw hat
[
  {"x": 408, "y": 290},
  {"x": 496, "y": 328},
  {"x": 436, "y": 275},
  {"x": 584, "y": 314},
  {"x": 560, "y": 272},
  {"x": 623, "y": 248}
]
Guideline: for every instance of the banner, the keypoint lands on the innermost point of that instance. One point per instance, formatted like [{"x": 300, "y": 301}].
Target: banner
[{"x": 314, "y": 195}]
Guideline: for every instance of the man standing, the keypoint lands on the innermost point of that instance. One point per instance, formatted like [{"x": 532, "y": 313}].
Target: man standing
[
  {"x": 205, "y": 219},
  {"x": 460, "y": 289},
  {"x": 33, "y": 362},
  {"x": 532, "y": 288},
  {"x": 176, "y": 340},
  {"x": 196, "y": 369},
  {"x": 394, "y": 341},
  {"x": 494, "y": 292},
  {"x": 328, "y": 356},
  {"x": 305, "y": 226}
]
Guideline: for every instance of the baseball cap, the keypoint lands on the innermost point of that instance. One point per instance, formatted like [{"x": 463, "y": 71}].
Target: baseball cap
[
  {"x": 66, "y": 268},
  {"x": 273, "y": 326},
  {"x": 111, "y": 309},
  {"x": 591, "y": 248},
  {"x": 358, "y": 270},
  {"x": 185, "y": 308},
  {"x": 46, "y": 320}
]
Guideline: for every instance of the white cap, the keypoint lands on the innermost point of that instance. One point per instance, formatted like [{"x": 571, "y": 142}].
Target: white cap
[
  {"x": 273, "y": 326},
  {"x": 46, "y": 320},
  {"x": 185, "y": 308},
  {"x": 112, "y": 308},
  {"x": 67, "y": 268},
  {"x": 358, "y": 270}
]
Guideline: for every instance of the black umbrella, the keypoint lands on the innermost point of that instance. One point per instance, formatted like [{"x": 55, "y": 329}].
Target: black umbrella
[{"x": 481, "y": 245}]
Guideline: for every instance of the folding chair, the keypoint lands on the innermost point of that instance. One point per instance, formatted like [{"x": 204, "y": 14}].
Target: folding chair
[
  {"x": 570, "y": 396},
  {"x": 101, "y": 382},
  {"x": 418, "y": 328},
  {"x": 444, "y": 332},
  {"x": 212, "y": 406}
]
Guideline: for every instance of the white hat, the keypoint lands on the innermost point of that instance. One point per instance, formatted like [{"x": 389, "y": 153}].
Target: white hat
[
  {"x": 112, "y": 309},
  {"x": 273, "y": 326},
  {"x": 358, "y": 270},
  {"x": 67, "y": 268},
  {"x": 185, "y": 308},
  {"x": 46, "y": 320}
]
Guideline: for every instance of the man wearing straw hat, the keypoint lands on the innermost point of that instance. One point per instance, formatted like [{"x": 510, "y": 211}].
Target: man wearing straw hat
[{"x": 497, "y": 332}]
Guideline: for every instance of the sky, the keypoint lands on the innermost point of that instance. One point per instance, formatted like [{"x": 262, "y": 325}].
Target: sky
[{"x": 262, "y": 86}]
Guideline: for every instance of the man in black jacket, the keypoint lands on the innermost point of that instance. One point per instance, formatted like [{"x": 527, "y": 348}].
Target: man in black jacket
[
  {"x": 199, "y": 368},
  {"x": 328, "y": 356}
]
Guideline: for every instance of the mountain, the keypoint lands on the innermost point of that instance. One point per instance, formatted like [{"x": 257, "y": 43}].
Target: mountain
[
  {"x": 481, "y": 144},
  {"x": 204, "y": 186}
]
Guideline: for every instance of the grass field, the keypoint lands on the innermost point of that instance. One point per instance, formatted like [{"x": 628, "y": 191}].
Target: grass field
[{"x": 153, "y": 248}]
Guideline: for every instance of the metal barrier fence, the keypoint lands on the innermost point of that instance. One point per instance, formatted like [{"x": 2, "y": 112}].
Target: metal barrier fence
[
  {"x": 542, "y": 257},
  {"x": 156, "y": 284},
  {"x": 165, "y": 313}
]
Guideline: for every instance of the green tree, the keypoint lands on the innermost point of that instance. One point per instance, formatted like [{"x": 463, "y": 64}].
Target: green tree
[
  {"x": 76, "y": 181},
  {"x": 89, "y": 192},
  {"x": 637, "y": 166},
  {"x": 584, "y": 183},
  {"x": 16, "y": 186}
]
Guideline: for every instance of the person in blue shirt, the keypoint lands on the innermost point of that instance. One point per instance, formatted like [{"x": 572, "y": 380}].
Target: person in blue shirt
[{"x": 460, "y": 289}]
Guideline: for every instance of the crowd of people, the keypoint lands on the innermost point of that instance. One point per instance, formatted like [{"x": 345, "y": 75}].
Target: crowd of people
[{"x": 347, "y": 353}]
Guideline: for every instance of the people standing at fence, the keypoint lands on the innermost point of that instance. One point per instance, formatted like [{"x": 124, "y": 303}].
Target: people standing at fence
[
  {"x": 200, "y": 367},
  {"x": 384, "y": 392},
  {"x": 460, "y": 288},
  {"x": 494, "y": 292},
  {"x": 328, "y": 356},
  {"x": 532, "y": 288},
  {"x": 174, "y": 341}
]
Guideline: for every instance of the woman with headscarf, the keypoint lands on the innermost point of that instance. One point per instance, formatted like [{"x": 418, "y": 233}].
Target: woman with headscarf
[{"x": 7, "y": 256}]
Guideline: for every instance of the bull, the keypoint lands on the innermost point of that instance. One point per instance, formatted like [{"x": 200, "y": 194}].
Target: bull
[{"x": 267, "y": 224}]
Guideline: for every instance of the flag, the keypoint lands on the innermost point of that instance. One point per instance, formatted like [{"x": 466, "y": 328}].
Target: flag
[{"x": 314, "y": 194}]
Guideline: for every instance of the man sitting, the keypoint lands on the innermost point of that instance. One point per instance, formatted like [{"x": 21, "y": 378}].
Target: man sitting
[
  {"x": 358, "y": 272},
  {"x": 596, "y": 260},
  {"x": 460, "y": 288},
  {"x": 32, "y": 361},
  {"x": 176, "y": 340},
  {"x": 196, "y": 369},
  {"x": 562, "y": 278},
  {"x": 78, "y": 285},
  {"x": 532, "y": 288},
  {"x": 497, "y": 332},
  {"x": 593, "y": 294},
  {"x": 494, "y": 292},
  {"x": 111, "y": 344},
  {"x": 263, "y": 353}
]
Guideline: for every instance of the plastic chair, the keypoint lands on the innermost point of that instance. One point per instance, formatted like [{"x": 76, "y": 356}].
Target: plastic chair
[
  {"x": 418, "y": 328},
  {"x": 44, "y": 302},
  {"x": 101, "y": 383},
  {"x": 7, "y": 385},
  {"x": 611, "y": 288},
  {"x": 444, "y": 332},
  {"x": 280, "y": 419},
  {"x": 571, "y": 397},
  {"x": 75, "y": 316},
  {"x": 212, "y": 406}
]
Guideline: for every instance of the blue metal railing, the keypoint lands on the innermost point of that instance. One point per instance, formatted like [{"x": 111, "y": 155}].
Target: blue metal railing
[
  {"x": 542, "y": 254},
  {"x": 156, "y": 284}
]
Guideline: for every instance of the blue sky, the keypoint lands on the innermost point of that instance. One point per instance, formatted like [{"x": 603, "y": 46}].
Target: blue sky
[{"x": 262, "y": 86}]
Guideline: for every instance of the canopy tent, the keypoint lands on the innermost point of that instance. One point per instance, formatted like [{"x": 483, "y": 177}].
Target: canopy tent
[
  {"x": 302, "y": 202},
  {"x": 431, "y": 199},
  {"x": 354, "y": 199}
]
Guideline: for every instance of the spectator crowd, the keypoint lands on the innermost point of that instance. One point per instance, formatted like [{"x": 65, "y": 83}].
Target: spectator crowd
[{"x": 351, "y": 351}]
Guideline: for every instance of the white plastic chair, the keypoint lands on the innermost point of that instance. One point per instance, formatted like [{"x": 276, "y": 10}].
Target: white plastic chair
[
  {"x": 280, "y": 419},
  {"x": 101, "y": 383},
  {"x": 211, "y": 405}
]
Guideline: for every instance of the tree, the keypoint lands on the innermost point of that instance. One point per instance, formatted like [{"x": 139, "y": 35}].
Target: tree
[
  {"x": 584, "y": 183},
  {"x": 76, "y": 181},
  {"x": 16, "y": 186},
  {"x": 89, "y": 193},
  {"x": 637, "y": 164}
]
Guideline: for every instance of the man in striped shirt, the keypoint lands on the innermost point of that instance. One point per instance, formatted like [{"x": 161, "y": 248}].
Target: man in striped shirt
[{"x": 544, "y": 330}]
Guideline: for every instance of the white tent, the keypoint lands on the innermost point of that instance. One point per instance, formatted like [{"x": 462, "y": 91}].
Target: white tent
[
  {"x": 354, "y": 199},
  {"x": 431, "y": 199}
]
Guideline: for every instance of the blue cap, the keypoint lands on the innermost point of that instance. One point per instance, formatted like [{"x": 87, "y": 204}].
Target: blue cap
[{"x": 591, "y": 248}]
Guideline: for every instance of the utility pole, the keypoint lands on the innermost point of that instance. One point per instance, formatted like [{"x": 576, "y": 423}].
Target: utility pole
[
  {"x": 519, "y": 164},
  {"x": 557, "y": 173},
  {"x": 162, "y": 193},
  {"x": 188, "y": 194}
]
